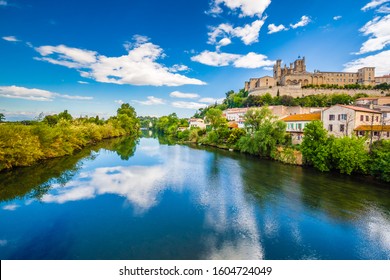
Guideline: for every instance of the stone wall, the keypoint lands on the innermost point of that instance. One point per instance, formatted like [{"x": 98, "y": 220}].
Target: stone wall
[{"x": 297, "y": 91}]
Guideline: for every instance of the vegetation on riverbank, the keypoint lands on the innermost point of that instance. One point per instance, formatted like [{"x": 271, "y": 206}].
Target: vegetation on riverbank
[
  {"x": 266, "y": 137},
  {"x": 23, "y": 144}
]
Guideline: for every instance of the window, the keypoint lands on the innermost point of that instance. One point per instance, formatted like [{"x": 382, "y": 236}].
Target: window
[
  {"x": 388, "y": 134},
  {"x": 331, "y": 117},
  {"x": 342, "y": 117},
  {"x": 342, "y": 128},
  {"x": 361, "y": 118},
  {"x": 376, "y": 118},
  {"x": 361, "y": 133},
  {"x": 376, "y": 133},
  {"x": 367, "y": 118},
  {"x": 330, "y": 128}
]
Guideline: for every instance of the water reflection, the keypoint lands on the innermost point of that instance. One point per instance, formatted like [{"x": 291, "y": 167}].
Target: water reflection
[{"x": 170, "y": 201}]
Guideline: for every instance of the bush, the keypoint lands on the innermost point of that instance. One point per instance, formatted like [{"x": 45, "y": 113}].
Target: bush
[{"x": 380, "y": 160}]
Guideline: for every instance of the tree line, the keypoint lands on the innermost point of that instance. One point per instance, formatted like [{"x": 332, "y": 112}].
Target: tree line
[{"x": 23, "y": 144}]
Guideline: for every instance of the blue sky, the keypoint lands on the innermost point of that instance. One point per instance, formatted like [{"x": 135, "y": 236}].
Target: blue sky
[{"x": 172, "y": 56}]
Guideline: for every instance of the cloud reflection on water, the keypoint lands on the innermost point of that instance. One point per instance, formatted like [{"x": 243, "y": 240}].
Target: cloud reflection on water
[{"x": 232, "y": 231}]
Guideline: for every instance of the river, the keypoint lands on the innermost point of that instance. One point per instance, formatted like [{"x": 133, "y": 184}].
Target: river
[{"x": 148, "y": 200}]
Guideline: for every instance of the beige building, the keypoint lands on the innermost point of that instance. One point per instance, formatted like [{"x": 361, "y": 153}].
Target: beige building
[
  {"x": 296, "y": 124},
  {"x": 296, "y": 74},
  {"x": 378, "y": 100},
  {"x": 197, "y": 123},
  {"x": 383, "y": 79},
  {"x": 342, "y": 120}
]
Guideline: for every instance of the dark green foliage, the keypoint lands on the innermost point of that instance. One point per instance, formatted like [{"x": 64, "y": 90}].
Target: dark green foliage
[
  {"x": 350, "y": 155},
  {"x": 2, "y": 117},
  {"x": 316, "y": 146},
  {"x": 384, "y": 86},
  {"x": 380, "y": 160}
]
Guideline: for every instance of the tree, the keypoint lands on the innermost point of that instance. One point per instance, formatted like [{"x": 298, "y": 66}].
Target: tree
[
  {"x": 349, "y": 154},
  {"x": 215, "y": 118},
  {"x": 266, "y": 133},
  {"x": 380, "y": 160},
  {"x": 2, "y": 117},
  {"x": 254, "y": 118},
  {"x": 65, "y": 116},
  {"x": 316, "y": 146}
]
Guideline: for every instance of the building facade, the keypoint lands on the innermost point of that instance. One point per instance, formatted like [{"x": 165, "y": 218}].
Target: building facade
[
  {"x": 296, "y": 124},
  {"x": 342, "y": 120},
  {"x": 383, "y": 79},
  {"x": 197, "y": 123}
]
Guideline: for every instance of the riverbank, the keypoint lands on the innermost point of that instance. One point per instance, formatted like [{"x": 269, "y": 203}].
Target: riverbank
[{"x": 25, "y": 144}]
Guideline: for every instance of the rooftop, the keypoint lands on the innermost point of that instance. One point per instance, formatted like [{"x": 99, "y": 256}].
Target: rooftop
[
  {"x": 303, "y": 117},
  {"x": 373, "y": 128},
  {"x": 360, "y": 109}
]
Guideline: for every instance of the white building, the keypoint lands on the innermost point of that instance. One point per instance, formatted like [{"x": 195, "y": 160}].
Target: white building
[
  {"x": 342, "y": 120},
  {"x": 197, "y": 123}
]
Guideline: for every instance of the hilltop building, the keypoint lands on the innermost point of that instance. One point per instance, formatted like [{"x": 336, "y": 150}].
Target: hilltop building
[{"x": 297, "y": 75}]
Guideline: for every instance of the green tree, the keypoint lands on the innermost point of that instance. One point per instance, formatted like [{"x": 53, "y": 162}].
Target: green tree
[
  {"x": 316, "y": 146},
  {"x": 215, "y": 118},
  {"x": 380, "y": 160},
  {"x": 2, "y": 117},
  {"x": 266, "y": 133},
  {"x": 349, "y": 154},
  {"x": 65, "y": 116}
]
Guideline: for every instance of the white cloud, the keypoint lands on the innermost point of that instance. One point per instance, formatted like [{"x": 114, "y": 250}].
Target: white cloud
[
  {"x": 383, "y": 9},
  {"x": 380, "y": 61},
  {"x": 246, "y": 7},
  {"x": 305, "y": 20},
  {"x": 10, "y": 39},
  {"x": 3, "y": 242},
  {"x": 83, "y": 82},
  {"x": 11, "y": 207},
  {"x": 337, "y": 17},
  {"x": 248, "y": 34},
  {"x": 253, "y": 60},
  {"x": 179, "y": 94},
  {"x": 179, "y": 68},
  {"x": 35, "y": 94},
  {"x": 224, "y": 42},
  {"x": 211, "y": 100},
  {"x": 215, "y": 58},
  {"x": 3, "y": 3},
  {"x": 120, "y": 101},
  {"x": 250, "y": 60},
  {"x": 272, "y": 28},
  {"x": 373, "y": 4},
  {"x": 138, "y": 67},
  {"x": 379, "y": 29},
  {"x": 188, "y": 105},
  {"x": 151, "y": 101}
]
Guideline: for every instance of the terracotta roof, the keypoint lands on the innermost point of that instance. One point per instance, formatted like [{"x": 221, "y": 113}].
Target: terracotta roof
[
  {"x": 303, "y": 117},
  {"x": 233, "y": 125},
  {"x": 360, "y": 109},
  {"x": 373, "y": 128}
]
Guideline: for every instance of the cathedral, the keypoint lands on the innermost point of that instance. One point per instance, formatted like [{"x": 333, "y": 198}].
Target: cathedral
[{"x": 296, "y": 75}]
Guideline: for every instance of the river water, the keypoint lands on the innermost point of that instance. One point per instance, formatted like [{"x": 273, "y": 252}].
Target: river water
[{"x": 147, "y": 200}]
